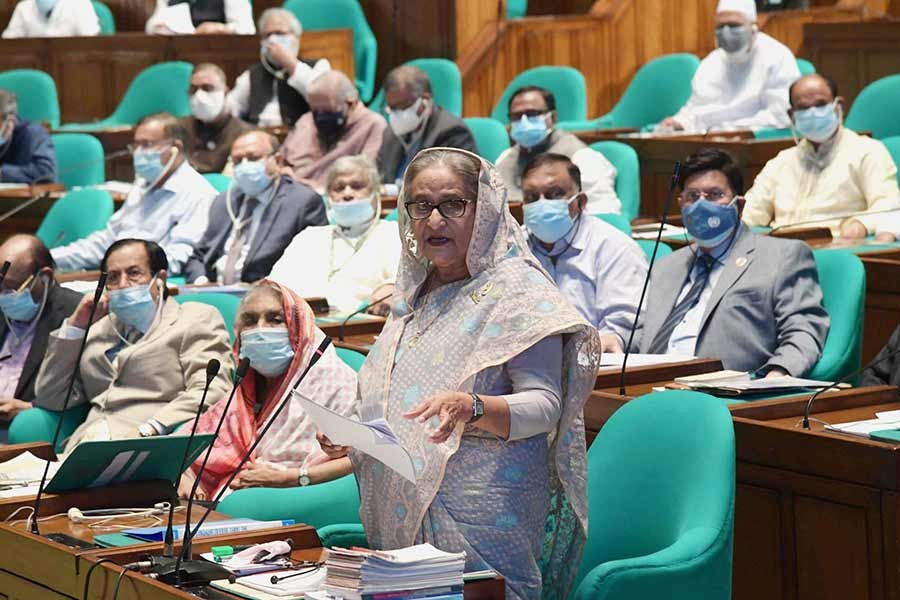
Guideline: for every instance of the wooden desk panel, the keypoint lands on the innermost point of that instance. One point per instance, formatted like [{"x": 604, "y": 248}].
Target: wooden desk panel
[{"x": 882, "y": 313}]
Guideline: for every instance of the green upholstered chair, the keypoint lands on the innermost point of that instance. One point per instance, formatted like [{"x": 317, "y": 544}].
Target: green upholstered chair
[
  {"x": 628, "y": 174},
  {"x": 36, "y": 91},
  {"x": 620, "y": 222},
  {"x": 391, "y": 216},
  {"x": 658, "y": 90},
  {"x": 227, "y": 304},
  {"x": 566, "y": 84},
  {"x": 39, "y": 424},
  {"x": 352, "y": 358},
  {"x": 769, "y": 133},
  {"x": 893, "y": 146},
  {"x": 806, "y": 67},
  {"x": 317, "y": 505},
  {"x": 315, "y": 15},
  {"x": 446, "y": 85},
  {"x": 218, "y": 180},
  {"x": 158, "y": 88},
  {"x": 105, "y": 16},
  {"x": 876, "y": 108},
  {"x": 79, "y": 159},
  {"x": 491, "y": 137},
  {"x": 343, "y": 535},
  {"x": 661, "y": 476},
  {"x": 516, "y": 9},
  {"x": 647, "y": 246},
  {"x": 842, "y": 278},
  {"x": 75, "y": 216}
]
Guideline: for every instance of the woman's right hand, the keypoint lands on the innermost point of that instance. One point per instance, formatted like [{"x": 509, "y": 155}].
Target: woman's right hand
[{"x": 332, "y": 450}]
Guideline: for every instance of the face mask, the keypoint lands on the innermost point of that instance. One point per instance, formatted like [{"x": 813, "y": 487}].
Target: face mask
[
  {"x": 329, "y": 123},
  {"x": 251, "y": 178},
  {"x": 548, "y": 220},
  {"x": 406, "y": 120},
  {"x": 147, "y": 165},
  {"x": 355, "y": 212},
  {"x": 19, "y": 306},
  {"x": 733, "y": 39},
  {"x": 134, "y": 306},
  {"x": 206, "y": 106},
  {"x": 285, "y": 40},
  {"x": 269, "y": 350},
  {"x": 709, "y": 224},
  {"x": 817, "y": 123},
  {"x": 528, "y": 132},
  {"x": 46, "y": 6}
]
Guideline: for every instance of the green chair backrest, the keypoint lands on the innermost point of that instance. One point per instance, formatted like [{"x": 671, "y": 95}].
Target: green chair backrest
[
  {"x": 647, "y": 246},
  {"x": 491, "y": 137},
  {"x": 446, "y": 85},
  {"x": 658, "y": 90},
  {"x": 620, "y": 222},
  {"x": 661, "y": 467},
  {"x": 893, "y": 147},
  {"x": 218, "y": 180},
  {"x": 352, "y": 358},
  {"x": 566, "y": 83},
  {"x": 628, "y": 174},
  {"x": 391, "y": 216},
  {"x": 39, "y": 425},
  {"x": 105, "y": 16},
  {"x": 79, "y": 159},
  {"x": 75, "y": 216},
  {"x": 227, "y": 304},
  {"x": 316, "y": 15},
  {"x": 842, "y": 278},
  {"x": 876, "y": 108},
  {"x": 806, "y": 67},
  {"x": 516, "y": 9},
  {"x": 36, "y": 91}
]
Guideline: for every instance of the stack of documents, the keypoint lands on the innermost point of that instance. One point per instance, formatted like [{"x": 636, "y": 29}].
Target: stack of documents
[
  {"x": 738, "y": 383},
  {"x": 883, "y": 420},
  {"x": 418, "y": 572},
  {"x": 650, "y": 231}
]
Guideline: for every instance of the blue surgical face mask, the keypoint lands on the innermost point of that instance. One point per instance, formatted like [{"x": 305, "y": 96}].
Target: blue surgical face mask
[
  {"x": 528, "y": 132},
  {"x": 817, "y": 123},
  {"x": 251, "y": 178},
  {"x": 134, "y": 306},
  {"x": 354, "y": 212},
  {"x": 269, "y": 350},
  {"x": 19, "y": 306},
  {"x": 548, "y": 220},
  {"x": 147, "y": 165},
  {"x": 709, "y": 224}
]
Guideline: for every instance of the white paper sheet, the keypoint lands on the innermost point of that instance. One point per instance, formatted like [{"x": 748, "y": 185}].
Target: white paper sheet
[{"x": 642, "y": 360}]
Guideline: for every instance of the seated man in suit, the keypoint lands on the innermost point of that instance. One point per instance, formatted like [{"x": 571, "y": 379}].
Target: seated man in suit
[
  {"x": 53, "y": 18},
  {"x": 211, "y": 129},
  {"x": 206, "y": 17},
  {"x": 752, "y": 301},
  {"x": 273, "y": 91},
  {"x": 26, "y": 152},
  {"x": 532, "y": 118},
  {"x": 599, "y": 269},
  {"x": 415, "y": 122},
  {"x": 251, "y": 223},
  {"x": 32, "y": 304},
  {"x": 884, "y": 370},
  {"x": 144, "y": 367},
  {"x": 169, "y": 202}
]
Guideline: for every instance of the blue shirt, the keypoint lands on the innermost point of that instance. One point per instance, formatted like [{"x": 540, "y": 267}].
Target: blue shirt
[{"x": 29, "y": 156}]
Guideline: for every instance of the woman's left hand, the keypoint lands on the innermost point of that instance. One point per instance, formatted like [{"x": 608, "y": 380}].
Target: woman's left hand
[
  {"x": 260, "y": 475},
  {"x": 450, "y": 407}
]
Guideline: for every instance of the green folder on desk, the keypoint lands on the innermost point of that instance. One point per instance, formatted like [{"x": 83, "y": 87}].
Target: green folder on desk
[{"x": 114, "y": 462}]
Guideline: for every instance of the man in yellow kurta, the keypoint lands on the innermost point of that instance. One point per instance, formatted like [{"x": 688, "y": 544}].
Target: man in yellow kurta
[{"x": 833, "y": 176}]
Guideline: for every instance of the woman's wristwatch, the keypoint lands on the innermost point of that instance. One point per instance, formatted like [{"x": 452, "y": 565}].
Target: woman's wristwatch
[
  {"x": 477, "y": 407},
  {"x": 303, "y": 480}
]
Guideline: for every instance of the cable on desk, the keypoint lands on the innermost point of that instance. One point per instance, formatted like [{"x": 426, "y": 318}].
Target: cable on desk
[
  {"x": 90, "y": 571},
  {"x": 119, "y": 582}
]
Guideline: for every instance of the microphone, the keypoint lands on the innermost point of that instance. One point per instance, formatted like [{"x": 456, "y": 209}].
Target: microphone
[
  {"x": 357, "y": 312},
  {"x": 212, "y": 369},
  {"x": 4, "y": 270},
  {"x": 101, "y": 285},
  {"x": 812, "y": 399},
  {"x": 676, "y": 172},
  {"x": 23, "y": 206},
  {"x": 861, "y": 213}
]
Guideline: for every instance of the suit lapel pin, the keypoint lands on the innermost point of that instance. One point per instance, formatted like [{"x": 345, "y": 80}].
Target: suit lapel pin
[{"x": 741, "y": 261}]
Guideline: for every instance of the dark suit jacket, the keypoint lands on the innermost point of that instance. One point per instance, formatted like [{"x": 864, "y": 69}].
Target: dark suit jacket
[
  {"x": 29, "y": 157},
  {"x": 61, "y": 302},
  {"x": 886, "y": 372},
  {"x": 441, "y": 130},
  {"x": 295, "y": 207}
]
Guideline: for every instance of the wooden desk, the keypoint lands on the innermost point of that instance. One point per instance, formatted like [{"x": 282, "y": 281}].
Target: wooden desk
[
  {"x": 361, "y": 324},
  {"x": 361, "y": 342},
  {"x": 29, "y": 218},
  {"x": 589, "y": 136},
  {"x": 882, "y": 312}
]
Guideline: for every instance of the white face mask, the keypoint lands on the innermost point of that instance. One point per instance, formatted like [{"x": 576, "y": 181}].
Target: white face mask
[
  {"x": 289, "y": 42},
  {"x": 406, "y": 120},
  {"x": 207, "y": 106}
]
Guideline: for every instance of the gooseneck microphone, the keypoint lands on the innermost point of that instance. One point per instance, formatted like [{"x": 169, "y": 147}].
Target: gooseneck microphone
[
  {"x": 101, "y": 285},
  {"x": 357, "y": 312},
  {"x": 812, "y": 399},
  {"x": 673, "y": 185},
  {"x": 212, "y": 369},
  {"x": 4, "y": 270},
  {"x": 24, "y": 205}
]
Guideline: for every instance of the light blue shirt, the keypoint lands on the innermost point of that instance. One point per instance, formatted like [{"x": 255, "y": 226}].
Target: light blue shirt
[
  {"x": 600, "y": 270},
  {"x": 174, "y": 215}
]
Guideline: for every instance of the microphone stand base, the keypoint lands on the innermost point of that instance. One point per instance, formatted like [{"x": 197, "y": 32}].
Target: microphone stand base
[{"x": 191, "y": 572}]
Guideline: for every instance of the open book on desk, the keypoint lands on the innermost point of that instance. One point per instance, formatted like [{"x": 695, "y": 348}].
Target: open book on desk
[{"x": 739, "y": 383}]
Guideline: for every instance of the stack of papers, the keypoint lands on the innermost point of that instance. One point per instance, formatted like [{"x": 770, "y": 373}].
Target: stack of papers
[
  {"x": 649, "y": 231},
  {"x": 610, "y": 359},
  {"x": 299, "y": 584},
  {"x": 420, "y": 572},
  {"x": 736, "y": 383},
  {"x": 883, "y": 420}
]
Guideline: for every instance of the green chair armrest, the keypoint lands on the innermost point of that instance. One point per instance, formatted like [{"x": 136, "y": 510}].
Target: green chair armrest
[
  {"x": 343, "y": 535},
  {"x": 39, "y": 424}
]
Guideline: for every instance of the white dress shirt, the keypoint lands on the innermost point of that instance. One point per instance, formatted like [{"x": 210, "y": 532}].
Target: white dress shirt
[
  {"x": 752, "y": 94},
  {"x": 238, "y": 15},
  {"x": 238, "y": 99},
  {"x": 321, "y": 262},
  {"x": 262, "y": 204},
  {"x": 174, "y": 215},
  {"x": 69, "y": 18}
]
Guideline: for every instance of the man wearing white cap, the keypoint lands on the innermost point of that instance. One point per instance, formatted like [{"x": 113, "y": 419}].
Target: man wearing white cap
[{"x": 743, "y": 83}]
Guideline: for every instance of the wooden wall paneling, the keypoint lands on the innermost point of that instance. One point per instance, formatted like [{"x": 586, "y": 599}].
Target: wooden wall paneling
[
  {"x": 131, "y": 15},
  {"x": 759, "y": 548},
  {"x": 473, "y": 16}
]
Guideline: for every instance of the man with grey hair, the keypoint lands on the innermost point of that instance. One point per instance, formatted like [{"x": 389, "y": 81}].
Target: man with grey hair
[
  {"x": 273, "y": 92},
  {"x": 211, "y": 128},
  {"x": 416, "y": 123},
  {"x": 26, "y": 152},
  {"x": 337, "y": 125}
]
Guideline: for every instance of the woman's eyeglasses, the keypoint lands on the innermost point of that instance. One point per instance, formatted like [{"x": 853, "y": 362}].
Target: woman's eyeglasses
[{"x": 449, "y": 209}]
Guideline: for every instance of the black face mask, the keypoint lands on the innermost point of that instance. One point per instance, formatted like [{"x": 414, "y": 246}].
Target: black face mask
[{"x": 329, "y": 124}]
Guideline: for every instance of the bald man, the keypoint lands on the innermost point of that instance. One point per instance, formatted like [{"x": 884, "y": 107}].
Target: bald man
[
  {"x": 33, "y": 305},
  {"x": 833, "y": 177},
  {"x": 337, "y": 125}
]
